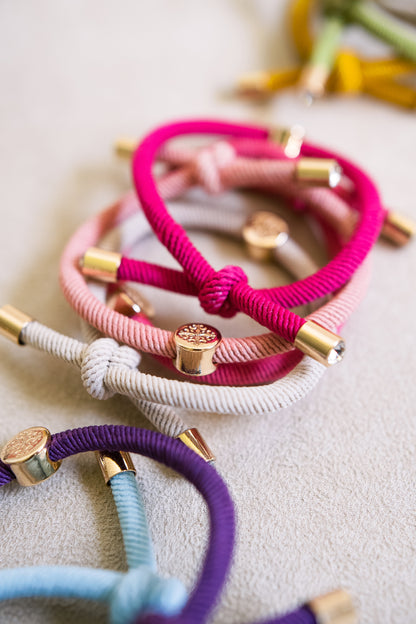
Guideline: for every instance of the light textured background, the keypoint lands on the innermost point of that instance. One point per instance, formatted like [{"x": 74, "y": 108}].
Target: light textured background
[{"x": 325, "y": 491}]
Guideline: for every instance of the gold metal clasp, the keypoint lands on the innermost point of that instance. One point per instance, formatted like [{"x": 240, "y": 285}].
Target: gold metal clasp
[
  {"x": 398, "y": 229},
  {"x": 193, "y": 440},
  {"x": 114, "y": 462},
  {"x": 195, "y": 347},
  {"x": 290, "y": 138},
  {"x": 129, "y": 301},
  {"x": 320, "y": 343},
  {"x": 319, "y": 171},
  {"x": 335, "y": 607},
  {"x": 263, "y": 232},
  {"x": 12, "y": 322},
  {"x": 125, "y": 147},
  {"x": 100, "y": 264},
  {"x": 28, "y": 457}
]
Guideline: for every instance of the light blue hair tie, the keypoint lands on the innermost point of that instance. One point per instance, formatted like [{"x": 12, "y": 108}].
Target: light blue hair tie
[{"x": 128, "y": 594}]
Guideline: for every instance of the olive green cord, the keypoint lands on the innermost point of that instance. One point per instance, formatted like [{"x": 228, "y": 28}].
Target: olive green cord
[
  {"x": 327, "y": 44},
  {"x": 377, "y": 22}
]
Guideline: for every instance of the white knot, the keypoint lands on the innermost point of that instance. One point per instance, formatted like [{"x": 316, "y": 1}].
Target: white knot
[
  {"x": 98, "y": 357},
  {"x": 208, "y": 164}
]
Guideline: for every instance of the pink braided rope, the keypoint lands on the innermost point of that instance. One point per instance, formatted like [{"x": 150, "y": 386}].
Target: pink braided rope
[
  {"x": 227, "y": 291},
  {"x": 160, "y": 342}
]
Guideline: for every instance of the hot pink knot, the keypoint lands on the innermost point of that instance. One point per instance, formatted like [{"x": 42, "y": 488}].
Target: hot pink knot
[
  {"x": 208, "y": 164},
  {"x": 214, "y": 295}
]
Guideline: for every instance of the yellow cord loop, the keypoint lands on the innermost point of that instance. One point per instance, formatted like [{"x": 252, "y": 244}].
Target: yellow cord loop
[{"x": 382, "y": 78}]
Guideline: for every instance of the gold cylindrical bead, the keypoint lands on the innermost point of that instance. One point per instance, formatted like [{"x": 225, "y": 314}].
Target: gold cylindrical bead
[
  {"x": 12, "y": 321},
  {"x": 114, "y": 462},
  {"x": 125, "y": 147},
  {"x": 28, "y": 457},
  {"x": 193, "y": 440},
  {"x": 334, "y": 608},
  {"x": 319, "y": 171},
  {"x": 129, "y": 301},
  {"x": 263, "y": 232},
  {"x": 100, "y": 264},
  {"x": 290, "y": 138},
  {"x": 195, "y": 347},
  {"x": 255, "y": 83},
  {"x": 398, "y": 229},
  {"x": 320, "y": 343}
]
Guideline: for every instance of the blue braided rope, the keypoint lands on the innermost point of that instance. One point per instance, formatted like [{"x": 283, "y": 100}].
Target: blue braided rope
[
  {"x": 128, "y": 595},
  {"x": 132, "y": 517}
]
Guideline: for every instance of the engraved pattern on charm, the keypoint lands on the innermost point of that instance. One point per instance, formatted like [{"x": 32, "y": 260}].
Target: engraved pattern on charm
[
  {"x": 265, "y": 224},
  {"x": 263, "y": 232},
  {"x": 197, "y": 334},
  {"x": 23, "y": 444}
]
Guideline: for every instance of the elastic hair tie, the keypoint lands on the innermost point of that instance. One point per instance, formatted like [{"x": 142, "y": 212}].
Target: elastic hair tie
[
  {"x": 226, "y": 291},
  {"x": 33, "y": 455},
  {"x": 262, "y": 303},
  {"x": 329, "y": 68},
  {"x": 108, "y": 368}
]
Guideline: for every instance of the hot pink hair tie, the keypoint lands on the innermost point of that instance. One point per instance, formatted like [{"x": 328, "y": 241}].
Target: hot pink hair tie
[
  {"x": 226, "y": 291},
  {"x": 162, "y": 343}
]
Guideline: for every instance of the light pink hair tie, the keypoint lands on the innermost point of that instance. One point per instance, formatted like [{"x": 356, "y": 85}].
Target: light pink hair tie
[{"x": 261, "y": 349}]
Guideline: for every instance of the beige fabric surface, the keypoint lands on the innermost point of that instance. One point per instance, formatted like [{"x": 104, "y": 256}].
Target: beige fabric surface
[{"x": 325, "y": 491}]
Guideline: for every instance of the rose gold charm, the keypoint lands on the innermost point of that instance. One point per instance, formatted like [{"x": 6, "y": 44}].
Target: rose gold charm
[
  {"x": 195, "y": 347},
  {"x": 28, "y": 457},
  {"x": 128, "y": 301}
]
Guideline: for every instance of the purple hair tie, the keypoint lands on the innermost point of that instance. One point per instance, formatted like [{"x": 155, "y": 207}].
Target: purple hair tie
[{"x": 203, "y": 476}]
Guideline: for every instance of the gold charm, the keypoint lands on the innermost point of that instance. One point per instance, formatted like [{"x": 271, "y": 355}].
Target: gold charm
[
  {"x": 114, "y": 462},
  {"x": 334, "y": 608},
  {"x": 263, "y": 232},
  {"x": 195, "y": 346},
  {"x": 100, "y": 264},
  {"x": 12, "y": 321},
  {"x": 28, "y": 457},
  {"x": 193, "y": 440}
]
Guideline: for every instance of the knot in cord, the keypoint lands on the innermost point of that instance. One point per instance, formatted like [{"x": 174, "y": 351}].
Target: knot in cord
[
  {"x": 348, "y": 73},
  {"x": 208, "y": 164},
  {"x": 141, "y": 590},
  {"x": 97, "y": 358},
  {"x": 214, "y": 294}
]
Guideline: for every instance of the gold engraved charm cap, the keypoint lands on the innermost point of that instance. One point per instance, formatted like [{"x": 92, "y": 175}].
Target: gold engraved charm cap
[
  {"x": 195, "y": 347},
  {"x": 100, "y": 264},
  {"x": 129, "y": 301},
  {"x": 194, "y": 440},
  {"x": 28, "y": 457},
  {"x": 263, "y": 232},
  {"x": 334, "y": 608},
  {"x": 320, "y": 343},
  {"x": 114, "y": 462},
  {"x": 12, "y": 321}
]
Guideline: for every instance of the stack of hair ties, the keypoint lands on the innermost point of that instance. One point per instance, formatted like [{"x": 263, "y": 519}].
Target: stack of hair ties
[
  {"x": 328, "y": 68},
  {"x": 253, "y": 375}
]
